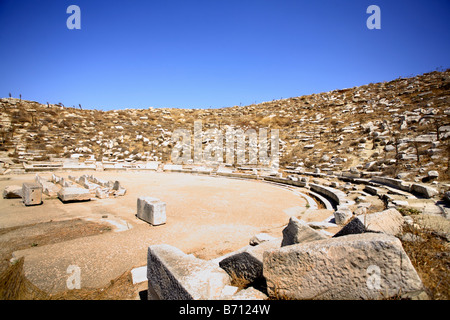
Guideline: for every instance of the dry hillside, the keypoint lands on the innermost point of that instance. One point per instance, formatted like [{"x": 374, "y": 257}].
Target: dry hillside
[{"x": 396, "y": 127}]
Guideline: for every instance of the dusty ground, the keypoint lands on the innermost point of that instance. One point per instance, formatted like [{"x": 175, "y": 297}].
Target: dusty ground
[
  {"x": 206, "y": 216},
  {"x": 44, "y": 233}
]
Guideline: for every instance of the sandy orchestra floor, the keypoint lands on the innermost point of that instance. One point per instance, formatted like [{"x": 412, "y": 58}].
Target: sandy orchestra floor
[{"x": 206, "y": 216}]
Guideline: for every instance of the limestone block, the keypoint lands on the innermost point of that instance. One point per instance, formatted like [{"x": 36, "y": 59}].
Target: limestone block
[
  {"x": 362, "y": 266},
  {"x": 121, "y": 192},
  {"x": 158, "y": 212},
  {"x": 259, "y": 238},
  {"x": 395, "y": 183},
  {"x": 153, "y": 165},
  {"x": 388, "y": 221},
  {"x": 342, "y": 215},
  {"x": 249, "y": 293},
  {"x": 247, "y": 263},
  {"x": 48, "y": 188},
  {"x": 140, "y": 204},
  {"x": 151, "y": 210},
  {"x": 83, "y": 179},
  {"x": 101, "y": 193},
  {"x": 11, "y": 192},
  {"x": 433, "y": 174},
  {"x": 101, "y": 182},
  {"x": 55, "y": 178},
  {"x": 116, "y": 185},
  {"x": 336, "y": 195},
  {"x": 173, "y": 167},
  {"x": 31, "y": 194},
  {"x": 372, "y": 190},
  {"x": 174, "y": 275}
]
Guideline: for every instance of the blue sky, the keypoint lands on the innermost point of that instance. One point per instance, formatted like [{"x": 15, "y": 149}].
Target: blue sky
[{"x": 212, "y": 53}]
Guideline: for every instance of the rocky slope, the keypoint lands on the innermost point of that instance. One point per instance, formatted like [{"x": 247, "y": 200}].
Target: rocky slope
[{"x": 400, "y": 127}]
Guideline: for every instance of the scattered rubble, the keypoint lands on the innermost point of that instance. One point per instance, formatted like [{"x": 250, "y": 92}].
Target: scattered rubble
[
  {"x": 341, "y": 268},
  {"x": 388, "y": 221},
  {"x": 246, "y": 264},
  {"x": 298, "y": 231}
]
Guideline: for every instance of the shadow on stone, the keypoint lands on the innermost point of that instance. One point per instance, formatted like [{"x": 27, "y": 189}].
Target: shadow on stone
[
  {"x": 354, "y": 226},
  {"x": 74, "y": 201}
]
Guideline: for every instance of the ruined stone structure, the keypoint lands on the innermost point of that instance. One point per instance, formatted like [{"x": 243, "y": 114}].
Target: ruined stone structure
[{"x": 358, "y": 156}]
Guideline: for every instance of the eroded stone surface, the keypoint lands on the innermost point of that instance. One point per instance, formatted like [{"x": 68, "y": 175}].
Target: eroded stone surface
[
  {"x": 174, "y": 275},
  {"x": 363, "y": 266}
]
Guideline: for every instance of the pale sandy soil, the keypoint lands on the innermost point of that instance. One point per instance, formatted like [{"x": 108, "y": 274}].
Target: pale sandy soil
[{"x": 206, "y": 216}]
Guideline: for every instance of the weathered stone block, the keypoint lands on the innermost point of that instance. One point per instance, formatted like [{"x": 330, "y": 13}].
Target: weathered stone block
[
  {"x": 423, "y": 190},
  {"x": 173, "y": 167},
  {"x": 363, "y": 266},
  {"x": 298, "y": 231},
  {"x": 121, "y": 192},
  {"x": 174, "y": 275},
  {"x": 388, "y": 221},
  {"x": 372, "y": 190},
  {"x": 355, "y": 226},
  {"x": 151, "y": 210},
  {"x": 247, "y": 263},
  {"x": 11, "y": 192},
  {"x": 101, "y": 193},
  {"x": 336, "y": 195},
  {"x": 66, "y": 194},
  {"x": 342, "y": 215},
  {"x": 48, "y": 188},
  {"x": 31, "y": 194},
  {"x": 140, "y": 204},
  {"x": 395, "y": 183},
  {"x": 116, "y": 185}
]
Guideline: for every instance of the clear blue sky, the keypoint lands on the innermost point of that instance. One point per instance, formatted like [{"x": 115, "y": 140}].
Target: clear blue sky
[{"x": 212, "y": 53}]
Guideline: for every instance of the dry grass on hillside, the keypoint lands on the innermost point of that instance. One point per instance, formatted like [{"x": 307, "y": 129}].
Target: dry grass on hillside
[{"x": 430, "y": 255}]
